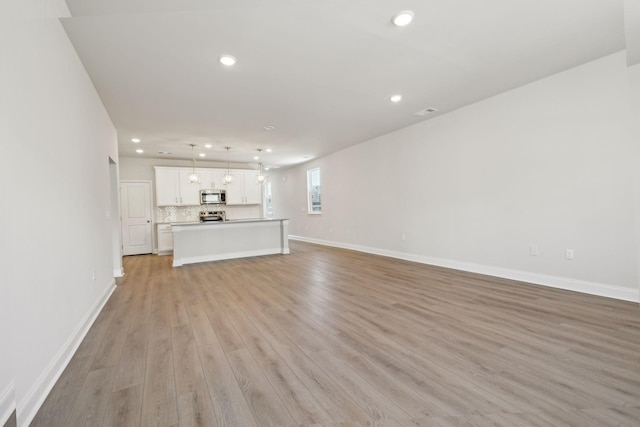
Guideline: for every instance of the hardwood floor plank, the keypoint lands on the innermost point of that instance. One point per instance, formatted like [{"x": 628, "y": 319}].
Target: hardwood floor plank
[
  {"x": 124, "y": 408},
  {"x": 159, "y": 403},
  {"x": 302, "y": 406},
  {"x": 336, "y": 402},
  {"x": 226, "y": 333},
  {"x": 329, "y": 337},
  {"x": 93, "y": 399},
  {"x": 56, "y": 408},
  {"x": 265, "y": 405},
  {"x": 194, "y": 404},
  {"x": 229, "y": 405},
  {"x": 201, "y": 327},
  {"x": 131, "y": 368},
  {"x": 373, "y": 401}
]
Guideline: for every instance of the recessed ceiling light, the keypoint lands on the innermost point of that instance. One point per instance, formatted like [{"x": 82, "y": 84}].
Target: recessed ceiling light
[
  {"x": 266, "y": 168},
  {"x": 256, "y": 158},
  {"x": 202, "y": 155},
  {"x": 208, "y": 145},
  {"x": 268, "y": 150},
  {"x": 135, "y": 140},
  {"x": 402, "y": 18},
  {"x": 227, "y": 60},
  {"x": 396, "y": 98},
  {"x": 139, "y": 151},
  {"x": 269, "y": 128}
]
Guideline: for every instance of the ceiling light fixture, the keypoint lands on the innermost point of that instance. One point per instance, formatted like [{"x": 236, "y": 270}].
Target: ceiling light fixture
[
  {"x": 227, "y": 60},
  {"x": 260, "y": 176},
  {"x": 228, "y": 178},
  {"x": 135, "y": 140},
  {"x": 202, "y": 155},
  {"x": 193, "y": 176},
  {"x": 269, "y": 128},
  {"x": 402, "y": 18},
  {"x": 139, "y": 151},
  {"x": 268, "y": 150},
  {"x": 208, "y": 145},
  {"x": 396, "y": 98}
]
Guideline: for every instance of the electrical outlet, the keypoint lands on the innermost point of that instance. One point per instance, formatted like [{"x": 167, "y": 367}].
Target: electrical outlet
[
  {"x": 533, "y": 250},
  {"x": 94, "y": 275},
  {"x": 568, "y": 254}
]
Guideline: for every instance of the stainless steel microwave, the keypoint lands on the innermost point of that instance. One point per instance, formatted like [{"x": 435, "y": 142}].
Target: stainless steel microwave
[{"x": 213, "y": 197}]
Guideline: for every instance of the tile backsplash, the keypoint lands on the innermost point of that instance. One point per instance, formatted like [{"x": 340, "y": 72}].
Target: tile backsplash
[{"x": 191, "y": 213}]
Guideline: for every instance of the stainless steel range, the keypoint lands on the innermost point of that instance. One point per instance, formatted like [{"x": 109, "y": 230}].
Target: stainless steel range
[{"x": 208, "y": 216}]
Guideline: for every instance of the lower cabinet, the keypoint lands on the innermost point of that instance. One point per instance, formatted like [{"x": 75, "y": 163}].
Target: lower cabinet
[{"x": 165, "y": 239}]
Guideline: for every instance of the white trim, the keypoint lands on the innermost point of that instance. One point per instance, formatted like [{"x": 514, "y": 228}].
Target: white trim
[
  {"x": 118, "y": 272},
  {"x": 591, "y": 288},
  {"x": 7, "y": 403},
  {"x": 229, "y": 255},
  {"x": 29, "y": 406}
]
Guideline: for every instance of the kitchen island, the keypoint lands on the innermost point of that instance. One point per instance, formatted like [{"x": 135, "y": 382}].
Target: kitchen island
[{"x": 217, "y": 240}]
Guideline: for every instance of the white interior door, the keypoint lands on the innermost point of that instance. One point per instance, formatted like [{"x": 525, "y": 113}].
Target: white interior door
[{"x": 135, "y": 205}]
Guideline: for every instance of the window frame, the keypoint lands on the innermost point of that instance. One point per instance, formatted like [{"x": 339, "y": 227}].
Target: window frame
[{"x": 311, "y": 209}]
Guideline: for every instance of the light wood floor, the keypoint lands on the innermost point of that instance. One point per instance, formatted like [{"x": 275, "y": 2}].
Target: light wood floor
[{"x": 329, "y": 337}]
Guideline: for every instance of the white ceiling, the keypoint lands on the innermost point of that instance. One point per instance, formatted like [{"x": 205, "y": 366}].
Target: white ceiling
[{"x": 320, "y": 71}]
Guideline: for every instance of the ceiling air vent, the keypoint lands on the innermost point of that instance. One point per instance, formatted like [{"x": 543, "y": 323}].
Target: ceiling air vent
[{"x": 425, "y": 111}]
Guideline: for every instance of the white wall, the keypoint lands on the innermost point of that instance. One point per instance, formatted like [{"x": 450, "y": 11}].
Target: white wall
[
  {"x": 548, "y": 164},
  {"x": 634, "y": 85},
  {"x": 56, "y": 142}
]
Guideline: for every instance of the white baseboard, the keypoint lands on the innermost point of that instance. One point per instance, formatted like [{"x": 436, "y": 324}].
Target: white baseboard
[
  {"x": 118, "y": 272},
  {"x": 591, "y": 288},
  {"x": 7, "y": 403},
  {"x": 29, "y": 406}
]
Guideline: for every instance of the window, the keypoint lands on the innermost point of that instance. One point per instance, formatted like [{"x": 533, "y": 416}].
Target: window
[
  {"x": 268, "y": 201},
  {"x": 313, "y": 191}
]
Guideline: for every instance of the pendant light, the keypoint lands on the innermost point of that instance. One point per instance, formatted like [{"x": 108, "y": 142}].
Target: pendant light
[
  {"x": 260, "y": 177},
  {"x": 193, "y": 176},
  {"x": 228, "y": 178}
]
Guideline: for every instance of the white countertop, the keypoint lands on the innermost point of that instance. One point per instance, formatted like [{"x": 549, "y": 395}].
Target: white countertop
[{"x": 229, "y": 221}]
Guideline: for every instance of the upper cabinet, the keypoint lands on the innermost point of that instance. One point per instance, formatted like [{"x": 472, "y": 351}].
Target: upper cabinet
[
  {"x": 211, "y": 179},
  {"x": 174, "y": 189},
  {"x": 244, "y": 190}
]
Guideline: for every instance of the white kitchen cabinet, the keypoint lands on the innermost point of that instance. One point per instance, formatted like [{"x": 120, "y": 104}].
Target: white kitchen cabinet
[
  {"x": 252, "y": 189},
  {"x": 167, "y": 192},
  {"x": 211, "y": 179},
  {"x": 174, "y": 189},
  {"x": 189, "y": 192},
  {"x": 244, "y": 190},
  {"x": 165, "y": 239}
]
